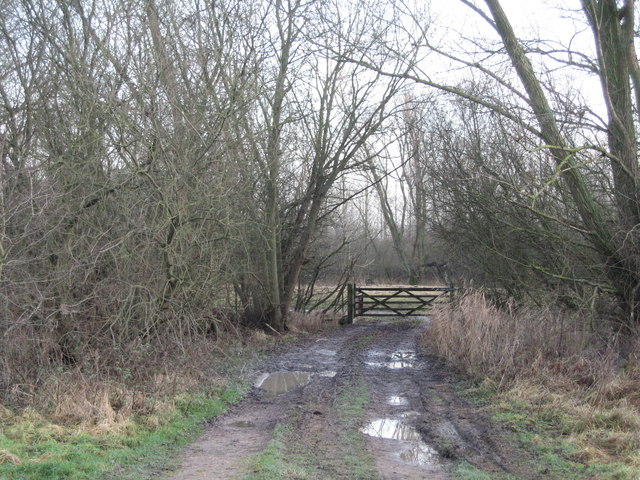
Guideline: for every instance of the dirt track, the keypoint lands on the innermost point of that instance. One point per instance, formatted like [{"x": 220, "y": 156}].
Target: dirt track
[{"x": 412, "y": 424}]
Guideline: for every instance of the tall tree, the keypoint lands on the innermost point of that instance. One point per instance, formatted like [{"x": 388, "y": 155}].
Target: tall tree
[{"x": 528, "y": 95}]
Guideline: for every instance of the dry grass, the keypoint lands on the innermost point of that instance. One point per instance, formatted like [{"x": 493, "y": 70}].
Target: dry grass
[
  {"x": 313, "y": 321},
  {"x": 114, "y": 390},
  {"x": 111, "y": 403},
  {"x": 7, "y": 457},
  {"x": 552, "y": 362},
  {"x": 99, "y": 407},
  {"x": 72, "y": 404},
  {"x": 482, "y": 340}
]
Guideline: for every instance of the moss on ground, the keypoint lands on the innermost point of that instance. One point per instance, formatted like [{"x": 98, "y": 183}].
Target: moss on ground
[{"x": 550, "y": 433}]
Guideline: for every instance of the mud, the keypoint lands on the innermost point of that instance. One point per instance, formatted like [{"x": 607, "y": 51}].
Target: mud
[
  {"x": 275, "y": 384},
  {"x": 411, "y": 448},
  {"x": 415, "y": 425}
]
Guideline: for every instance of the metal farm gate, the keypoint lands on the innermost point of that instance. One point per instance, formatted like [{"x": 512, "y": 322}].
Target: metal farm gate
[{"x": 393, "y": 301}]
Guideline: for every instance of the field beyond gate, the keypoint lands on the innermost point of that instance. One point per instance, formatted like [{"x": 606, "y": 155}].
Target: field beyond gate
[{"x": 394, "y": 301}]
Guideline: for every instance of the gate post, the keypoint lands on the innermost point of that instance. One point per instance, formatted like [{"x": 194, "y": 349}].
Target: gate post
[{"x": 351, "y": 301}]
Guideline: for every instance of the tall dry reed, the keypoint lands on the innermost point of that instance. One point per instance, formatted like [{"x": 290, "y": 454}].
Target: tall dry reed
[
  {"x": 553, "y": 361},
  {"x": 503, "y": 344}
]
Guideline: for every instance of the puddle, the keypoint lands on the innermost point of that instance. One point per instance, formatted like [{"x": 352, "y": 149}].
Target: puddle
[
  {"x": 282, "y": 382},
  {"x": 402, "y": 364},
  {"x": 411, "y": 448},
  {"x": 404, "y": 355},
  {"x": 421, "y": 454},
  {"x": 242, "y": 424},
  {"x": 327, "y": 373},
  {"x": 391, "y": 429},
  {"x": 324, "y": 351},
  {"x": 394, "y": 365},
  {"x": 399, "y": 359},
  {"x": 398, "y": 400}
]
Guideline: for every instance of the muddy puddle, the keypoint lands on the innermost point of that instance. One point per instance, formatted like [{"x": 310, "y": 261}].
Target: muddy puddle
[
  {"x": 400, "y": 359},
  {"x": 406, "y": 355},
  {"x": 278, "y": 383},
  {"x": 411, "y": 448},
  {"x": 398, "y": 400}
]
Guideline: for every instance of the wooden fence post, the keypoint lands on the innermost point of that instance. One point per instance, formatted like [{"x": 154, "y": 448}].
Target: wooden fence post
[{"x": 351, "y": 292}]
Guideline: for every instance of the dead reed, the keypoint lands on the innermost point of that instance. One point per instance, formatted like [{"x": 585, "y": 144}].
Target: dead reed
[
  {"x": 138, "y": 381},
  {"x": 312, "y": 321},
  {"x": 478, "y": 338},
  {"x": 554, "y": 361}
]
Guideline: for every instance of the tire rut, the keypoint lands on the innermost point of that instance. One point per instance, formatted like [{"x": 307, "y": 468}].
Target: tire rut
[
  {"x": 224, "y": 451},
  {"x": 411, "y": 425}
]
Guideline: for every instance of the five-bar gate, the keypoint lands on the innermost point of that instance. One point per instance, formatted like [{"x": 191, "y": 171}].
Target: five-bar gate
[{"x": 393, "y": 301}]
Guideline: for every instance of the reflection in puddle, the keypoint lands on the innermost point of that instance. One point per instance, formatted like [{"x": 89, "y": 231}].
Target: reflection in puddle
[
  {"x": 400, "y": 365},
  {"x": 421, "y": 453},
  {"x": 243, "y": 424},
  {"x": 392, "y": 365},
  {"x": 281, "y": 382},
  {"x": 404, "y": 355},
  {"x": 412, "y": 448},
  {"x": 324, "y": 351},
  {"x": 391, "y": 429},
  {"x": 400, "y": 359},
  {"x": 397, "y": 400}
]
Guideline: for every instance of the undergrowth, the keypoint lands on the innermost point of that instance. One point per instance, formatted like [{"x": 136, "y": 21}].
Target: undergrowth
[
  {"x": 85, "y": 425},
  {"x": 45, "y": 450},
  {"x": 563, "y": 387}
]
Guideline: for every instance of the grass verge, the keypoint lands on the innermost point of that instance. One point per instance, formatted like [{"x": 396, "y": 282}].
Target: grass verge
[
  {"x": 545, "y": 437},
  {"x": 541, "y": 439},
  {"x": 82, "y": 426},
  {"x": 564, "y": 437},
  {"x": 570, "y": 399},
  {"x": 466, "y": 471},
  {"x": 43, "y": 450}
]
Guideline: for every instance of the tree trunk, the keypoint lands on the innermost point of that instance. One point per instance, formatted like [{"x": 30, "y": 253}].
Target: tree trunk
[{"x": 622, "y": 269}]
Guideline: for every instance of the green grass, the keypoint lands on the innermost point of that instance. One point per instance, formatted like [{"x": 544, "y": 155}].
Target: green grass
[
  {"x": 276, "y": 461},
  {"x": 350, "y": 404},
  {"x": 543, "y": 434},
  {"x": 466, "y": 471},
  {"x": 339, "y": 454},
  {"x": 51, "y": 452}
]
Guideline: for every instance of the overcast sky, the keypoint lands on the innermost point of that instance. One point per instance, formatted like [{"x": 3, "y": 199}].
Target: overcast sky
[{"x": 560, "y": 22}]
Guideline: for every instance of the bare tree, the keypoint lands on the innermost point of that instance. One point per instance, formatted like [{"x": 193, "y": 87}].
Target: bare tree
[
  {"x": 565, "y": 128},
  {"x": 312, "y": 128}
]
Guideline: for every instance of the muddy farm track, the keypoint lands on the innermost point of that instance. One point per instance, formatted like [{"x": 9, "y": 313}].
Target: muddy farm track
[{"x": 356, "y": 402}]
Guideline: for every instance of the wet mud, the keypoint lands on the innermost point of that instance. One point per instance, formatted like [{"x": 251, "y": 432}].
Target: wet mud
[
  {"x": 414, "y": 425},
  {"x": 277, "y": 383}
]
